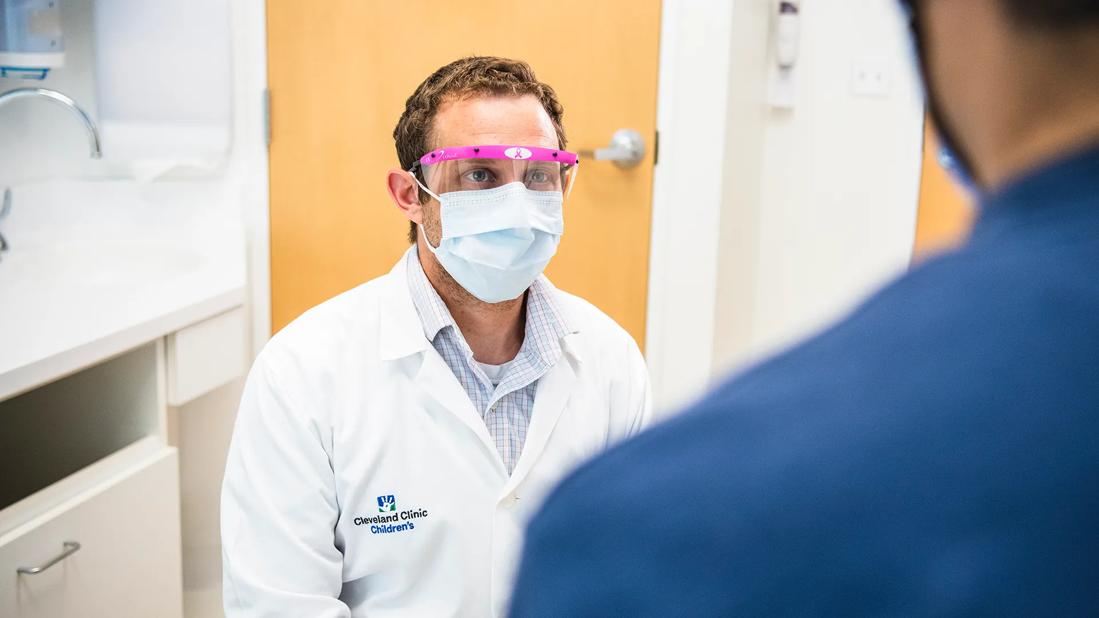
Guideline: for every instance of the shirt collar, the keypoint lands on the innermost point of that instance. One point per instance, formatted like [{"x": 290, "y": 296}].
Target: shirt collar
[
  {"x": 434, "y": 315},
  {"x": 1051, "y": 195},
  {"x": 546, "y": 324}
]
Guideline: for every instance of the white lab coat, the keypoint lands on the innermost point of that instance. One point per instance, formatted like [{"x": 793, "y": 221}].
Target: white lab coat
[{"x": 351, "y": 404}]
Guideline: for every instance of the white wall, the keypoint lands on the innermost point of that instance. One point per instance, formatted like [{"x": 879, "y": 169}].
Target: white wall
[
  {"x": 806, "y": 210},
  {"x": 176, "y": 51},
  {"x": 743, "y": 184},
  {"x": 696, "y": 40},
  {"x": 820, "y": 207},
  {"x": 163, "y": 85}
]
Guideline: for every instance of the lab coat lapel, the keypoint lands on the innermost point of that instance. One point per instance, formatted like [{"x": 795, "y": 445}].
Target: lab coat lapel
[
  {"x": 554, "y": 390},
  {"x": 438, "y": 386},
  {"x": 402, "y": 336},
  {"x": 400, "y": 332}
]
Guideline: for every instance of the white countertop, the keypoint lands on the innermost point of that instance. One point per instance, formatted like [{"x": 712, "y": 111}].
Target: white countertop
[{"x": 98, "y": 268}]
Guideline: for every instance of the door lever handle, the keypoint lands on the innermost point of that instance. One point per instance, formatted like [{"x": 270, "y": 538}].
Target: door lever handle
[{"x": 626, "y": 150}]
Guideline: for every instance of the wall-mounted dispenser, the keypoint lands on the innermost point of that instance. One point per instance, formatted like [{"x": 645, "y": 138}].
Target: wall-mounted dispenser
[
  {"x": 787, "y": 35},
  {"x": 31, "y": 42}
]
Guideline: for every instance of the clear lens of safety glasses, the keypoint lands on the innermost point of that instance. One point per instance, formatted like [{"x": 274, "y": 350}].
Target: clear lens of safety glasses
[{"x": 474, "y": 168}]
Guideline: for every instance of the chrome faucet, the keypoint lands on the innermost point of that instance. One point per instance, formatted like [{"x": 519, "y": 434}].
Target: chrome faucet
[
  {"x": 5, "y": 208},
  {"x": 61, "y": 99}
]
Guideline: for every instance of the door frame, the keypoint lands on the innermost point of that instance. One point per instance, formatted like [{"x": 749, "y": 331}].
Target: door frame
[
  {"x": 247, "y": 175},
  {"x": 683, "y": 262}
]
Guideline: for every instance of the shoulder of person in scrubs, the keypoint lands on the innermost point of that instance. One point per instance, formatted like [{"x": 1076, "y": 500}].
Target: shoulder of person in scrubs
[{"x": 935, "y": 453}]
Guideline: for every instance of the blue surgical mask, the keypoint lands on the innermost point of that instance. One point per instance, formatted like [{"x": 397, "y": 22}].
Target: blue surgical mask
[
  {"x": 949, "y": 161},
  {"x": 496, "y": 242}
]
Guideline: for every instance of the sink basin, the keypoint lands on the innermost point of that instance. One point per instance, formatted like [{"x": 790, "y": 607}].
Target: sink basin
[{"x": 98, "y": 268}]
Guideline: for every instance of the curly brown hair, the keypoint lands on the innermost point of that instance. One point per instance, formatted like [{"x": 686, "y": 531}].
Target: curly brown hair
[{"x": 473, "y": 76}]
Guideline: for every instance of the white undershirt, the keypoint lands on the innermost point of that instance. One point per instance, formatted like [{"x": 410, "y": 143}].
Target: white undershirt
[{"x": 494, "y": 372}]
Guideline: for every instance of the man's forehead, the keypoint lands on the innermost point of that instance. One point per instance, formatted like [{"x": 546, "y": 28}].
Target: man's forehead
[{"x": 493, "y": 120}]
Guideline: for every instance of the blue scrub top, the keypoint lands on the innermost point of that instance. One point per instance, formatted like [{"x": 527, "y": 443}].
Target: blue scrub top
[{"x": 936, "y": 453}]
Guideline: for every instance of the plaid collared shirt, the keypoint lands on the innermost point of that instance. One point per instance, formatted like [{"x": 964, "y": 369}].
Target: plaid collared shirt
[{"x": 507, "y": 407}]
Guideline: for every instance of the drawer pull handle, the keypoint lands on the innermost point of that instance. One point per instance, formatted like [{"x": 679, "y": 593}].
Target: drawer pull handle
[{"x": 71, "y": 547}]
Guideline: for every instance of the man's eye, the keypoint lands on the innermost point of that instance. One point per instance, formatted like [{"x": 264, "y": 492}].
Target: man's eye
[
  {"x": 539, "y": 177},
  {"x": 479, "y": 176}
]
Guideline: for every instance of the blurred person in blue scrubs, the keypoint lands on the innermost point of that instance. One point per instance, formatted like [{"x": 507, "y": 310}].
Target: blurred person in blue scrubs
[{"x": 935, "y": 453}]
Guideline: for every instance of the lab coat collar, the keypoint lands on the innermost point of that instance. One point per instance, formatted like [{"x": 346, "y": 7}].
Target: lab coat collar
[
  {"x": 402, "y": 332},
  {"x": 402, "y": 335}
]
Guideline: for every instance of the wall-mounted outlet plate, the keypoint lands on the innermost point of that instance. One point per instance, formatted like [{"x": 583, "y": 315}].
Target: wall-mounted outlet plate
[{"x": 871, "y": 77}]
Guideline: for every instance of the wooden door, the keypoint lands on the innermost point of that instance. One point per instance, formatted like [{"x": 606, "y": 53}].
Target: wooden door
[
  {"x": 945, "y": 213},
  {"x": 339, "y": 73}
]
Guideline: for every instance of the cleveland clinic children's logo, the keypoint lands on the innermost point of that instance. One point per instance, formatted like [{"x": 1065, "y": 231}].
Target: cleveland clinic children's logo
[
  {"x": 390, "y": 520},
  {"x": 387, "y": 504}
]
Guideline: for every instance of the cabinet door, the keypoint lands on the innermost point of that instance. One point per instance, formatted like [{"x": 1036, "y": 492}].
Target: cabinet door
[{"x": 128, "y": 563}]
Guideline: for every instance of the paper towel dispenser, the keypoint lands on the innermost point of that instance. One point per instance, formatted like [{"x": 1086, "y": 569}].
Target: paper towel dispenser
[{"x": 31, "y": 41}]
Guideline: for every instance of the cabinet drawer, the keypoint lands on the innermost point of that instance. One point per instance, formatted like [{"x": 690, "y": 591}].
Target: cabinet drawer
[
  {"x": 128, "y": 563},
  {"x": 206, "y": 355}
]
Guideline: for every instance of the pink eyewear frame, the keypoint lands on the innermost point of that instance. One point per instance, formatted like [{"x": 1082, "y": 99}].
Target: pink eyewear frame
[{"x": 515, "y": 153}]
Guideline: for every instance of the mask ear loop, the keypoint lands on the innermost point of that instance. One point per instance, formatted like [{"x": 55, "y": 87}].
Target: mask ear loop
[
  {"x": 412, "y": 172},
  {"x": 423, "y": 232}
]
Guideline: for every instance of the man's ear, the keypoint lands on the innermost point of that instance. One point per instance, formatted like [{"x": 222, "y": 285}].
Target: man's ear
[{"x": 405, "y": 193}]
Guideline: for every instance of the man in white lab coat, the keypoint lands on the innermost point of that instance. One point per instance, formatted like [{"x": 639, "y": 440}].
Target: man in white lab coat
[{"x": 392, "y": 441}]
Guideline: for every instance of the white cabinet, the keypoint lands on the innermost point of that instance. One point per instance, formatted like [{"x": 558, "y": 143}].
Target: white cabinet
[
  {"x": 128, "y": 563},
  {"x": 203, "y": 356},
  {"x": 59, "y": 429},
  {"x": 86, "y": 462}
]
